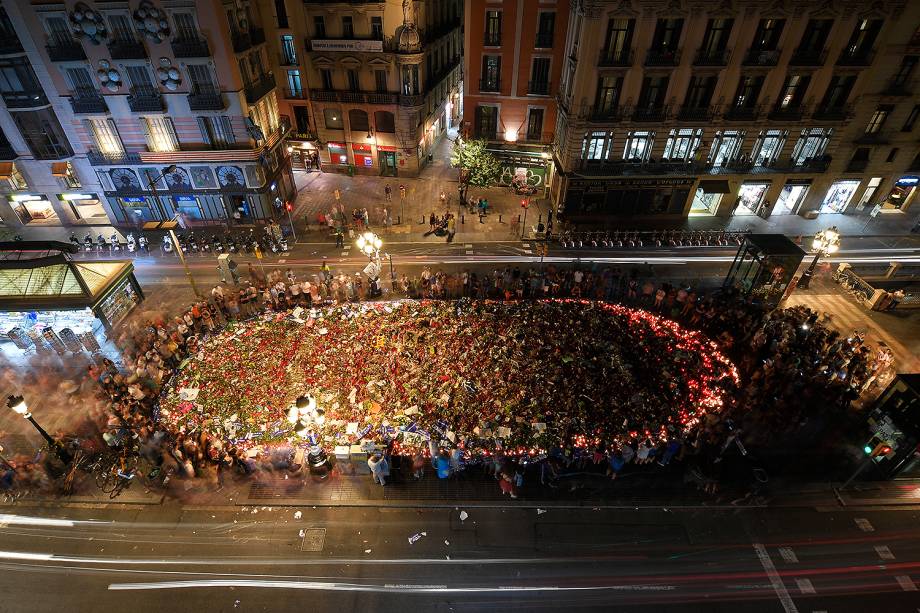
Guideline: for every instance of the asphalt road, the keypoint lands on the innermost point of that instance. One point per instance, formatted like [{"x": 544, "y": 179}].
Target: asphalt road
[{"x": 513, "y": 559}]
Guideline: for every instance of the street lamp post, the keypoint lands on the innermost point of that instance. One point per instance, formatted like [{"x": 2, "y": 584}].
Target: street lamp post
[
  {"x": 18, "y": 404},
  {"x": 172, "y": 234},
  {"x": 825, "y": 243},
  {"x": 370, "y": 244}
]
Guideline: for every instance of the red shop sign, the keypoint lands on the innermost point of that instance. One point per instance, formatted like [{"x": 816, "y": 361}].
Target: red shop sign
[
  {"x": 365, "y": 148},
  {"x": 385, "y": 148}
]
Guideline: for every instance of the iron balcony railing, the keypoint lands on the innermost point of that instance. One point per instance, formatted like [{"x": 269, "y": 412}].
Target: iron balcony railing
[
  {"x": 97, "y": 158},
  {"x": 206, "y": 99},
  {"x": 711, "y": 57},
  {"x": 258, "y": 89},
  {"x": 66, "y": 51},
  {"x": 662, "y": 57},
  {"x": 490, "y": 85},
  {"x": 540, "y": 88},
  {"x": 145, "y": 100},
  {"x": 761, "y": 57},
  {"x": 127, "y": 50},
  {"x": 614, "y": 58},
  {"x": 190, "y": 48},
  {"x": 88, "y": 100},
  {"x": 808, "y": 57}
]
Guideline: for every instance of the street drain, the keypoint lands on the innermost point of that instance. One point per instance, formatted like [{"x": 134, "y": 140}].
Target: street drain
[{"x": 313, "y": 539}]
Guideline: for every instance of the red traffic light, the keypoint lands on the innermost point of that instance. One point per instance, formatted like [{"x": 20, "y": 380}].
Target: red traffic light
[
  {"x": 523, "y": 203},
  {"x": 289, "y": 206}
]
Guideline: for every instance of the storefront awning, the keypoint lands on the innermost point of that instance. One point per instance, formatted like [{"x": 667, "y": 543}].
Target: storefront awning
[
  {"x": 6, "y": 170},
  {"x": 715, "y": 187},
  {"x": 59, "y": 169},
  {"x": 55, "y": 281}
]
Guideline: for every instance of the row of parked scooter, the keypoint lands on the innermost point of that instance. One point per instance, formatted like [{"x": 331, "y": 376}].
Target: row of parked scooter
[
  {"x": 663, "y": 238},
  {"x": 189, "y": 243}
]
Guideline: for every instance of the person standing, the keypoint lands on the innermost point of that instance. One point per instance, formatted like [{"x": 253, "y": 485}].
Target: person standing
[
  {"x": 380, "y": 468},
  {"x": 388, "y": 192},
  {"x": 451, "y": 227},
  {"x": 432, "y": 221}
]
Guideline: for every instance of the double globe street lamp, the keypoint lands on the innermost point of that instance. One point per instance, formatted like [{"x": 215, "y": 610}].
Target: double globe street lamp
[
  {"x": 825, "y": 243},
  {"x": 18, "y": 405},
  {"x": 303, "y": 415},
  {"x": 370, "y": 244}
]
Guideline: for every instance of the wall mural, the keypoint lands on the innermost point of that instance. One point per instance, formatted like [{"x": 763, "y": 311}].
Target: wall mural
[
  {"x": 178, "y": 181},
  {"x": 231, "y": 176},
  {"x": 168, "y": 75},
  {"x": 124, "y": 179},
  {"x": 203, "y": 177},
  {"x": 109, "y": 77},
  {"x": 88, "y": 24},
  {"x": 151, "y": 22}
]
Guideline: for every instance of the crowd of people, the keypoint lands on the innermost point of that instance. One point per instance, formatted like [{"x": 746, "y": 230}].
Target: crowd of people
[{"x": 795, "y": 370}]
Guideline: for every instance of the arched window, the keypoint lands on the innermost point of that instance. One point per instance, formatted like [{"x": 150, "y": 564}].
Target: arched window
[
  {"x": 358, "y": 121},
  {"x": 385, "y": 121}
]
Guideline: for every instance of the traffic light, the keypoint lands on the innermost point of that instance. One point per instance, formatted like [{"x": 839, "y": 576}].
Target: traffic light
[
  {"x": 881, "y": 449},
  {"x": 524, "y": 203},
  {"x": 877, "y": 448},
  {"x": 288, "y": 206}
]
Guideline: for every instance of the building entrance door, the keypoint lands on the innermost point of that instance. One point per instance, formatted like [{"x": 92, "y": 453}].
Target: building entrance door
[{"x": 388, "y": 163}]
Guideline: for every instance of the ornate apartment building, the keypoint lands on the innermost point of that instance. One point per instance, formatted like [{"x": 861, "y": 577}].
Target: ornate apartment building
[
  {"x": 514, "y": 60},
  {"x": 99, "y": 98},
  {"x": 670, "y": 108},
  {"x": 370, "y": 87}
]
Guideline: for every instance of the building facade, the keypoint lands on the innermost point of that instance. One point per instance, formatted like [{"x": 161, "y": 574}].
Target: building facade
[
  {"x": 742, "y": 107},
  {"x": 513, "y": 63},
  {"x": 104, "y": 96},
  {"x": 370, "y": 87}
]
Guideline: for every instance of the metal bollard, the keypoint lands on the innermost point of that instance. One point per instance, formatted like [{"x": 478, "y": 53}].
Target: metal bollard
[
  {"x": 398, "y": 220},
  {"x": 499, "y": 219},
  {"x": 462, "y": 219}
]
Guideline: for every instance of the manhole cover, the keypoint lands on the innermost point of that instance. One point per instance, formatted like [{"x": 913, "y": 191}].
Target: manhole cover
[{"x": 313, "y": 539}]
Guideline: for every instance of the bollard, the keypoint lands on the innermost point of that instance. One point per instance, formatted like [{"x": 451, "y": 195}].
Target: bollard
[
  {"x": 398, "y": 220},
  {"x": 499, "y": 218},
  {"x": 462, "y": 219},
  {"x": 539, "y": 218},
  {"x": 519, "y": 219}
]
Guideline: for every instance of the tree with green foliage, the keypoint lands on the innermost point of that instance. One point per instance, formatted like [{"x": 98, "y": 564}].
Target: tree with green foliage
[{"x": 477, "y": 166}]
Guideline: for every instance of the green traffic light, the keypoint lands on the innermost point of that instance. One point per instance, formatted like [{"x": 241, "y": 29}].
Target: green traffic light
[{"x": 867, "y": 449}]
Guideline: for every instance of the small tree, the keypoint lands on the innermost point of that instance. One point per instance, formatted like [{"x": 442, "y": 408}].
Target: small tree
[{"x": 478, "y": 167}]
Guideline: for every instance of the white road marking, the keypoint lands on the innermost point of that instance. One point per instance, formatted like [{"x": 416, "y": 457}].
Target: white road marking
[
  {"x": 469, "y": 252},
  {"x": 864, "y": 524},
  {"x": 388, "y": 587},
  {"x": 345, "y": 254},
  {"x": 468, "y": 246},
  {"x": 528, "y": 252},
  {"x": 778, "y": 586},
  {"x": 907, "y": 584},
  {"x": 805, "y": 586},
  {"x": 525, "y": 245},
  {"x": 788, "y": 555},
  {"x": 884, "y": 552},
  {"x": 282, "y": 260}
]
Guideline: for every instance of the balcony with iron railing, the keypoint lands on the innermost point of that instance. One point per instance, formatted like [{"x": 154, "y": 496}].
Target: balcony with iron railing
[
  {"x": 25, "y": 99},
  {"x": 603, "y": 113},
  {"x": 492, "y": 39},
  {"x": 487, "y": 134},
  {"x": 613, "y": 168},
  {"x": 860, "y": 57},
  {"x": 295, "y": 94},
  {"x": 808, "y": 57},
  {"x": 538, "y": 88},
  {"x": 662, "y": 57},
  {"x": 702, "y": 114},
  {"x": 650, "y": 113},
  {"x": 544, "y": 40},
  {"x": 873, "y": 138},
  {"x": 352, "y": 96},
  {"x": 190, "y": 47},
  {"x": 441, "y": 29},
  {"x": 242, "y": 41},
  {"x": 741, "y": 113},
  {"x": 127, "y": 50},
  {"x": 88, "y": 100},
  {"x": 257, "y": 90},
  {"x": 761, "y": 57},
  {"x": 411, "y": 99},
  {"x": 145, "y": 99},
  {"x": 382, "y": 98},
  {"x": 65, "y": 51},
  {"x": 787, "y": 113},
  {"x": 615, "y": 58},
  {"x": 10, "y": 45},
  {"x": 97, "y": 158},
  {"x": 206, "y": 98},
  {"x": 490, "y": 85},
  {"x": 832, "y": 113},
  {"x": 711, "y": 57}
]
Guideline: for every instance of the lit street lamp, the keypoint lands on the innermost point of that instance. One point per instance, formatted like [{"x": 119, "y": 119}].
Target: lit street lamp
[
  {"x": 825, "y": 243},
  {"x": 369, "y": 244},
  {"x": 18, "y": 404},
  {"x": 303, "y": 415}
]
